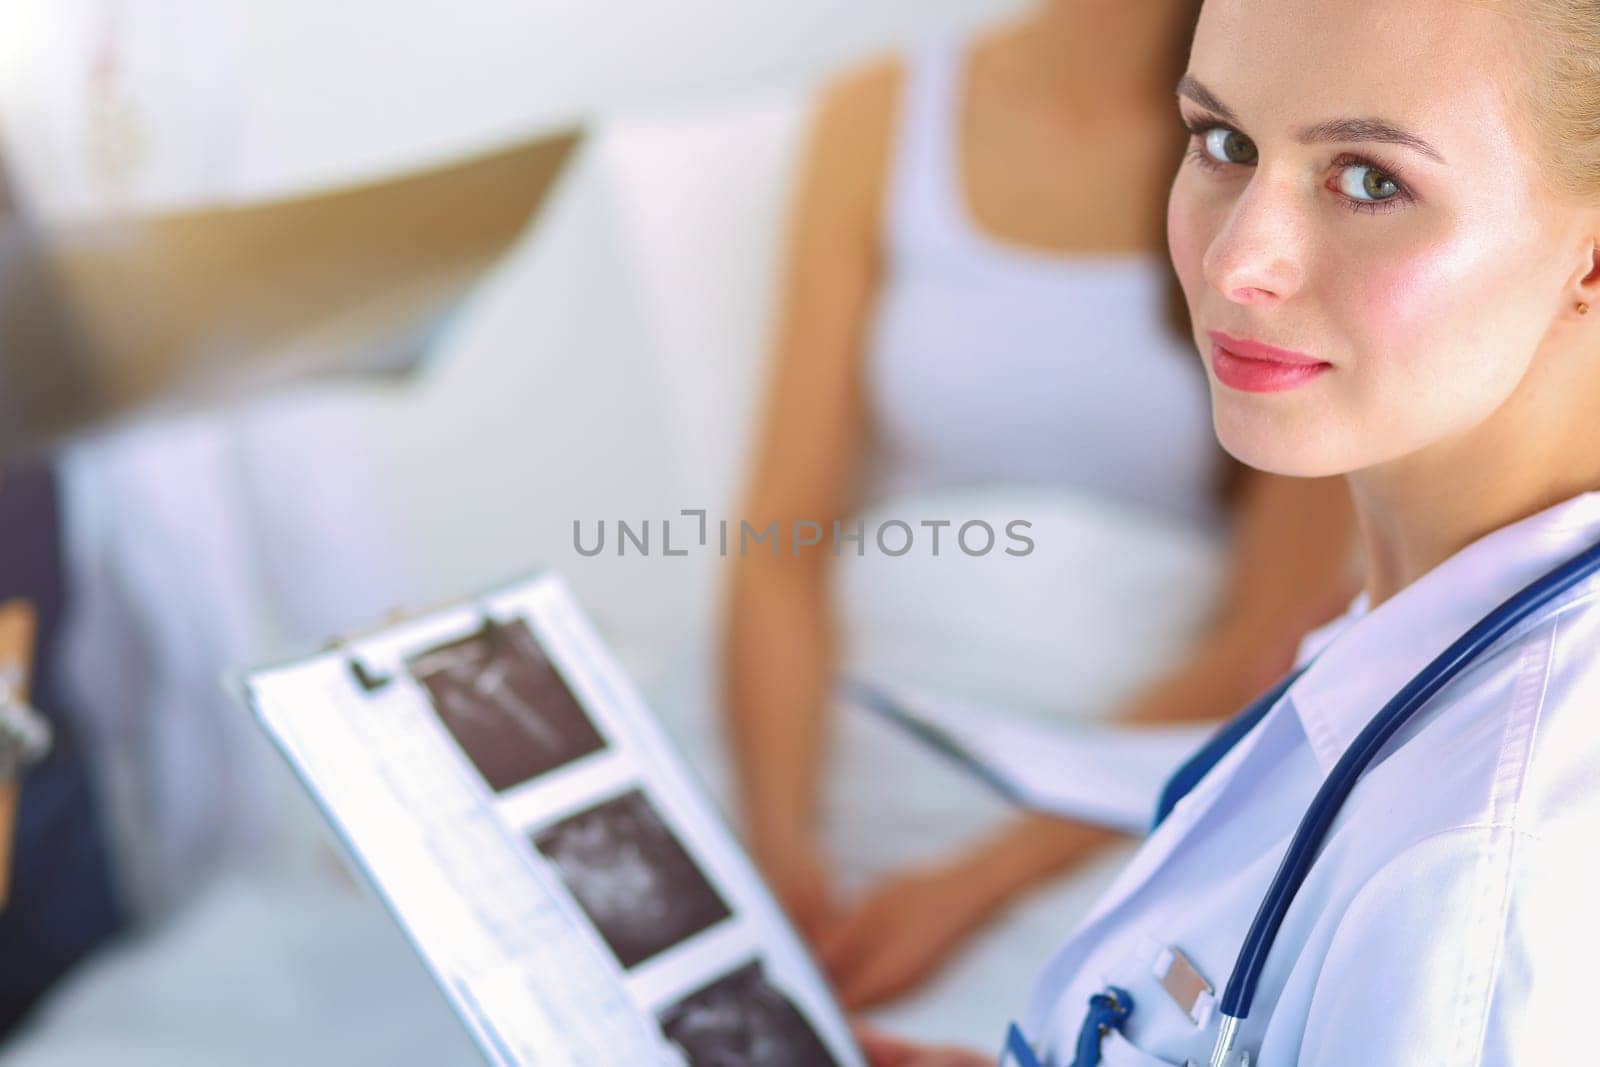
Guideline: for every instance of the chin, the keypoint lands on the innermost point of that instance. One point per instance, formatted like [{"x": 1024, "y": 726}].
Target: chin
[{"x": 1274, "y": 440}]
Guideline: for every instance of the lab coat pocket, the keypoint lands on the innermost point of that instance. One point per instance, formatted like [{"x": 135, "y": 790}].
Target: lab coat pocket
[{"x": 1117, "y": 1051}]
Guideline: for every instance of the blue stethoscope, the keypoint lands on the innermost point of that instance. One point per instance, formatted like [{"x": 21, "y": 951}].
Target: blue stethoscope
[{"x": 1110, "y": 1009}]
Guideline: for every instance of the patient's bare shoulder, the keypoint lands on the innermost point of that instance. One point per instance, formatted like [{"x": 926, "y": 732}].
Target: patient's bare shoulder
[{"x": 853, "y": 131}]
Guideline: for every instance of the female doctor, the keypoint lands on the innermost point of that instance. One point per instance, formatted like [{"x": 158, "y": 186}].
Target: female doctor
[{"x": 1388, "y": 231}]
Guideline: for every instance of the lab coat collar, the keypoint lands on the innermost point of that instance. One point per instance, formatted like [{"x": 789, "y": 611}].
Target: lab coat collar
[{"x": 1360, "y": 660}]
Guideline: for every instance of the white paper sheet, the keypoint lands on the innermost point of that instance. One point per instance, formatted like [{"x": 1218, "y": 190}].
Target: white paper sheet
[
  {"x": 1108, "y": 775},
  {"x": 565, "y": 880}
]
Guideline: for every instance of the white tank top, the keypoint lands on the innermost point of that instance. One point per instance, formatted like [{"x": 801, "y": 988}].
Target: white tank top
[{"x": 989, "y": 362}]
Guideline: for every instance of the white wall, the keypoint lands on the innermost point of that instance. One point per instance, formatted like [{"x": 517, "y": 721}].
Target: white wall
[
  {"x": 606, "y": 371},
  {"x": 205, "y": 100}
]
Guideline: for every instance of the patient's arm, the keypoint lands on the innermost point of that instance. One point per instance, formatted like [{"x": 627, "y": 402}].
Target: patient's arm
[
  {"x": 779, "y": 638},
  {"x": 1291, "y": 567},
  {"x": 1289, "y": 570}
]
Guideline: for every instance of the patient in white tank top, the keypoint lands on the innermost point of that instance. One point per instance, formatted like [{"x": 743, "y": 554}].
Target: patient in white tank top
[
  {"x": 975, "y": 326},
  {"x": 992, "y": 362}
]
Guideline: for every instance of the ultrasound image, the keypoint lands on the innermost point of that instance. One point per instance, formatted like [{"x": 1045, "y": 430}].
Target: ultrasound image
[
  {"x": 743, "y": 1019},
  {"x": 506, "y": 704},
  {"x": 633, "y": 879}
]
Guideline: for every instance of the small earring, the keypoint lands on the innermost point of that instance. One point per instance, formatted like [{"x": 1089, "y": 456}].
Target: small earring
[{"x": 1583, "y": 308}]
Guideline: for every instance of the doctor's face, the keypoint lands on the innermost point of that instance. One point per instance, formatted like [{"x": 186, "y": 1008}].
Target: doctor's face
[{"x": 1370, "y": 255}]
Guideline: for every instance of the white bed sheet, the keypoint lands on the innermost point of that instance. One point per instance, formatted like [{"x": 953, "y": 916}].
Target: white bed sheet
[{"x": 255, "y": 971}]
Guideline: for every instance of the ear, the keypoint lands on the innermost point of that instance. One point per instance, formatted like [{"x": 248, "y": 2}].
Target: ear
[{"x": 1584, "y": 291}]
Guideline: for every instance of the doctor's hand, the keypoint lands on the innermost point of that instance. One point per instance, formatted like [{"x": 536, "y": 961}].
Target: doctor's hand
[{"x": 885, "y": 1051}]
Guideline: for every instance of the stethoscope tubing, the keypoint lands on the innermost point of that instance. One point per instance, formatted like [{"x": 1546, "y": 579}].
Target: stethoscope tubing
[{"x": 1325, "y": 806}]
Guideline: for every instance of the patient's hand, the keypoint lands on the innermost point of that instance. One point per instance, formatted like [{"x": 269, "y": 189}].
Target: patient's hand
[
  {"x": 904, "y": 928},
  {"x": 885, "y": 1051},
  {"x": 908, "y": 925}
]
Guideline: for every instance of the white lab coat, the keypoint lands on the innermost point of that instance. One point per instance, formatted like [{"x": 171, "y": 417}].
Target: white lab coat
[{"x": 1449, "y": 919}]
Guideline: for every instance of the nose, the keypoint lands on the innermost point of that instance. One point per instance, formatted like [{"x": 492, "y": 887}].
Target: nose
[{"x": 1255, "y": 258}]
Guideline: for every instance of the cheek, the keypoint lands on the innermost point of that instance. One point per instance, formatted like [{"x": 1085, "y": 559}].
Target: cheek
[
  {"x": 1189, "y": 232},
  {"x": 1419, "y": 310},
  {"x": 1398, "y": 305}
]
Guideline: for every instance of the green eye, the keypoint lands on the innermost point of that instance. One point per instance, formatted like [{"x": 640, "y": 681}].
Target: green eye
[
  {"x": 1361, "y": 182},
  {"x": 1229, "y": 146}
]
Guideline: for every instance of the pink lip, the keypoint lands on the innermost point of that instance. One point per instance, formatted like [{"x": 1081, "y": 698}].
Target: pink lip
[{"x": 1256, "y": 367}]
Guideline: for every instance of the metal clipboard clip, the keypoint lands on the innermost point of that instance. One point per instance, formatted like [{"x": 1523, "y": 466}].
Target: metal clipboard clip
[{"x": 370, "y": 679}]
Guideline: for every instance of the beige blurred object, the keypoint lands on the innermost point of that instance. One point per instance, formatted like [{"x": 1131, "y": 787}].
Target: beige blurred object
[
  {"x": 101, "y": 320},
  {"x": 8, "y": 822},
  {"x": 16, "y": 653}
]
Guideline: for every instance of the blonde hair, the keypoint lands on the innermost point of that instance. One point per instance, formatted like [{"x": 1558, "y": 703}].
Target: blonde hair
[{"x": 1561, "y": 96}]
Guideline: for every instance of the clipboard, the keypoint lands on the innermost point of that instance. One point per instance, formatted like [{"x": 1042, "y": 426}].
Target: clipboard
[
  {"x": 495, "y": 778},
  {"x": 1101, "y": 774}
]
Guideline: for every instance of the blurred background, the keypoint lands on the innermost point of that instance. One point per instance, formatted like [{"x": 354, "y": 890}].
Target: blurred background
[
  {"x": 605, "y": 365},
  {"x": 608, "y": 368},
  {"x": 645, "y": 283}
]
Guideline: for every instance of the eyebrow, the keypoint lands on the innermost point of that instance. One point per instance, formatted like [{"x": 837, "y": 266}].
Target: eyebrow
[{"x": 1334, "y": 130}]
